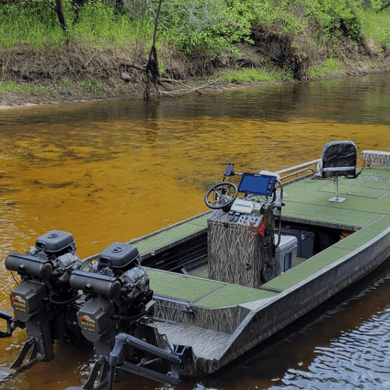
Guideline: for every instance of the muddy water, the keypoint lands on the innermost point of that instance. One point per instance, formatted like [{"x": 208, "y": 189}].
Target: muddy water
[{"x": 117, "y": 170}]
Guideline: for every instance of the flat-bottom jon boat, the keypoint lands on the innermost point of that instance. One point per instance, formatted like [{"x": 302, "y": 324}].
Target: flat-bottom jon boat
[{"x": 271, "y": 249}]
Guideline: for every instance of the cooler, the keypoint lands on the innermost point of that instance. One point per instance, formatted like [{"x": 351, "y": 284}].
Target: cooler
[{"x": 285, "y": 253}]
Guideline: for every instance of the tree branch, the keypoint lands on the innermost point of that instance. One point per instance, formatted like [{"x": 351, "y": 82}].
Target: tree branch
[
  {"x": 135, "y": 66},
  {"x": 50, "y": 5}
]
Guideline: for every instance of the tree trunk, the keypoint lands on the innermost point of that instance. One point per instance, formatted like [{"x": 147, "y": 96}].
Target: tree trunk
[
  {"x": 59, "y": 9},
  {"x": 61, "y": 15}
]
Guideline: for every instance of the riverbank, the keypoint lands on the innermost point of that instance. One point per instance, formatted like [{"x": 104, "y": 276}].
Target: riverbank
[
  {"x": 105, "y": 51},
  {"x": 78, "y": 72}
]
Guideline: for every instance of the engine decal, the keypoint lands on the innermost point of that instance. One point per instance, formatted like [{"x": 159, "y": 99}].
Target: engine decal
[
  {"x": 87, "y": 323},
  {"x": 18, "y": 303}
]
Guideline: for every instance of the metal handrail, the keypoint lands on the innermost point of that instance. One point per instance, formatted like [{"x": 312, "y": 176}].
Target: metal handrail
[
  {"x": 298, "y": 172},
  {"x": 304, "y": 165}
]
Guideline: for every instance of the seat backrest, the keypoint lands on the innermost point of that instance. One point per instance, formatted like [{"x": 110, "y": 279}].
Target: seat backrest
[{"x": 339, "y": 159}]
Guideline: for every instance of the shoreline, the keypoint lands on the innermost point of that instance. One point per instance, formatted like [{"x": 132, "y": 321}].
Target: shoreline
[{"x": 14, "y": 100}]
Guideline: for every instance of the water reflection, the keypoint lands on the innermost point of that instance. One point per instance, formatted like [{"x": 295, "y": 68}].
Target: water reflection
[
  {"x": 114, "y": 171},
  {"x": 358, "y": 358},
  {"x": 346, "y": 100}
]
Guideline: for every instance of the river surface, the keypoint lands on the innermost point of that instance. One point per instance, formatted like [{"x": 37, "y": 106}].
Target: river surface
[{"x": 113, "y": 171}]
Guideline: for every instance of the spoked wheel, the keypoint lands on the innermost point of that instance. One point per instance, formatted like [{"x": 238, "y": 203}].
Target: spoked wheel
[{"x": 220, "y": 196}]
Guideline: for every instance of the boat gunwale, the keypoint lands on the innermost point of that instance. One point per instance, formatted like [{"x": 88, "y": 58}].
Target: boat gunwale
[{"x": 267, "y": 303}]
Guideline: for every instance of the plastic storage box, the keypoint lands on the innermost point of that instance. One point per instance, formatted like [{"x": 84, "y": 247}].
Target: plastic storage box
[
  {"x": 285, "y": 254},
  {"x": 305, "y": 240}
]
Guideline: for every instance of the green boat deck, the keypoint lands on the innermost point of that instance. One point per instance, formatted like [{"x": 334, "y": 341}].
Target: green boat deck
[
  {"x": 202, "y": 292},
  {"x": 366, "y": 211}
]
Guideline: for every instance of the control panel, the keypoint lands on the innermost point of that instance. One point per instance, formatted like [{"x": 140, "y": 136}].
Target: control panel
[
  {"x": 245, "y": 212},
  {"x": 244, "y": 219}
]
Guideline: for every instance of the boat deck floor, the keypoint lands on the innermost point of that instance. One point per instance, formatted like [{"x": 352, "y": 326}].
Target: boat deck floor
[
  {"x": 200, "y": 292},
  {"x": 366, "y": 211},
  {"x": 205, "y": 343},
  {"x": 307, "y": 201}
]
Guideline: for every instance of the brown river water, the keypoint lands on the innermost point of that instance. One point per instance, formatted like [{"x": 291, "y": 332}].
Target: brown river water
[{"x": 113, "y": 171}]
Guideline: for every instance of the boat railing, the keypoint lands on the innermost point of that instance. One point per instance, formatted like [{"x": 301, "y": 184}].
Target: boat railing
[{"x": 299, "y": 171}]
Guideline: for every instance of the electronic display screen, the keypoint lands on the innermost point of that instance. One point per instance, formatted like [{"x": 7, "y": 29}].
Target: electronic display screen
[{"x": 257, "y": 184}]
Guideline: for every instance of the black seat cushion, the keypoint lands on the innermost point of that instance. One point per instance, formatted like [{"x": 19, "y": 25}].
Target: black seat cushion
[{"x": 339, "y": 159}]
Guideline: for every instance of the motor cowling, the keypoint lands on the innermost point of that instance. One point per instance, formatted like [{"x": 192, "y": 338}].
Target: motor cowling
[
  {"x": 116, "y": 291},
  {"x": 59, "y": 247},
  {"x": 44, "y": 271},
  {"x": 123, "y": 261},
  {"x": 43, "y": 302}
]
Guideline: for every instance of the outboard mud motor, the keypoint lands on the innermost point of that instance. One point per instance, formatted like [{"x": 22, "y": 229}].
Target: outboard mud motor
[
  {"x": 118, "y": 302},
  {"x": 43, "y": 302}
]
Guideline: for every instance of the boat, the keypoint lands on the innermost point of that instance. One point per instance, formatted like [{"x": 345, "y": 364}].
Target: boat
[{"x": 190, "y": 298}]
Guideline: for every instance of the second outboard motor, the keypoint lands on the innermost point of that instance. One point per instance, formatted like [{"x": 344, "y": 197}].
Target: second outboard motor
[
  {"x": 117, "y": 296},
  {"x": 43, "y": 301}
]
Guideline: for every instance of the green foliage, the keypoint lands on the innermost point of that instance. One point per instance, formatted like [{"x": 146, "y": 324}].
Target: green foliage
[
  {"x": 335, "y": 17},
  {"x": 282, "y": 15},
  {"x": 376, "y": 26},
  {"x": 376, "y": 5},
  {"x": 31, "y": 23},
  {"x": 34, "y": 23},
  {"x": 212, "y": 25},
  {"x": 203, "y": 26},
  {"x": 216, "y": 25},
  {"x": 261, "y": 75},
  {"x": 328, "y": 68}
]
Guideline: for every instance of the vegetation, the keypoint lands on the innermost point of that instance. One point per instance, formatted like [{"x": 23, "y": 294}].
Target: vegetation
[
  {"x": 259, "y": 75},
  {"x": 15, "y": 87},
  {"x": 292, "y": 38},
  {"x": 213, "y": 25},
  {"x": 331, "y": 67}
]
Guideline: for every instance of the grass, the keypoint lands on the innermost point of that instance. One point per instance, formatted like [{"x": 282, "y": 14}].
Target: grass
[
  {"x": 96, "y": 22},
  {"x": 10, "y": 86},
  {"x": 376, "y": 26},
  {"x": 331, "y": 67},
  {"x": 259, "y": 75},
  {"x": 38, "y": 25},
  {"x": 92, "y": 86}
]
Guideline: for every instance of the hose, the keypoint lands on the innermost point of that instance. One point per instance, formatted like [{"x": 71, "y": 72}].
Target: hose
[
  {"x": 62, "y": 303},
  {"x": 111, "y": 377}
]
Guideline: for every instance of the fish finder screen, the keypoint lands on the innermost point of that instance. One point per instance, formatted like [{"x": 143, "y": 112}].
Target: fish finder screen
[{"x": 257, "y": 184}]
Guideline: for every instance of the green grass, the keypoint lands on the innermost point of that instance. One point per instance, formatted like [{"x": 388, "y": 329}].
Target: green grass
[
  {"x": 259, "y": 75},
  {"x": 97, "y": 23},
  {"x": 92, "y": 86},
  {"x": 330, "y": 67},
  {"x": 11, "y": 86},
  {"x": 376, "y": 26}
]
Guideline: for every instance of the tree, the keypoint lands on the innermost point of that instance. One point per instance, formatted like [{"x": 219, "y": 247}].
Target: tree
[{"x": 59, "y": 9}]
